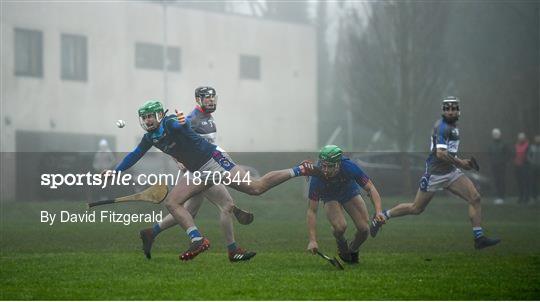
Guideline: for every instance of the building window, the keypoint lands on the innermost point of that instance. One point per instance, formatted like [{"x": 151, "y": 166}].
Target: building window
[
  {"x": 150, "y": 56},
  {"x": 74, "y": 57},
  {"x": 250, "y": 67},
  {"x": 28, "y": 53}
]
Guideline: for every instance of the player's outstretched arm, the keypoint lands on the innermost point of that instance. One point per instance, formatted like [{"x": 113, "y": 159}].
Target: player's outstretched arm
[
  {"x": 134, "y": 156},
  {"x": 375, "y": 199},
  {"x": 312, "y": 225}
]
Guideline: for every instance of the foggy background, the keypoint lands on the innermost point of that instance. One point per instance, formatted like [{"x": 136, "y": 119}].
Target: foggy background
[{"x": 291, "y": 76}]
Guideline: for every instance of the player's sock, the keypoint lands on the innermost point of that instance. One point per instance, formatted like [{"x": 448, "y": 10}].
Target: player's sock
[
  {"x": 477, "y": 232},
  {"x": 232, "y": 247},
  {"x": 156, "y": 229},
  {"x": 194, "y": 233},
  {"x": 353, "y": 250},
  {"x": 386, "y": 214},
  {"x": 342, "y": 244}
]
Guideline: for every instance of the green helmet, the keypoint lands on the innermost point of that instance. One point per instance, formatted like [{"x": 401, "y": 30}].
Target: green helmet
[
  {"x": 331, "y": 154},
  {"x": 151, "y": 106}
]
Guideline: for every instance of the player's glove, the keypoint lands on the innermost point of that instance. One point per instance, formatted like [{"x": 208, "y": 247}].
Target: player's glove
[
  {"x": 474, "y": 164},
  {"x": 181, "y": 117},
  {"x": 379, "y": 217}
]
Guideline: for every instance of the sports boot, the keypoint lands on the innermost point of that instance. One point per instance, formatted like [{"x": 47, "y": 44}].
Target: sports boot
[
  {"x": 483, "y": 242},
  {"x": 147, "y": 237},
  {"x": 195, "y": 248},
  {"x": 343, "y": 251},
  {"x": 240, "y": 254}
]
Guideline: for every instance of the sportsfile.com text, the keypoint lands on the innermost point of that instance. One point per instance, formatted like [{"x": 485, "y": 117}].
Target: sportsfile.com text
[{"x": 56, "y": 180}]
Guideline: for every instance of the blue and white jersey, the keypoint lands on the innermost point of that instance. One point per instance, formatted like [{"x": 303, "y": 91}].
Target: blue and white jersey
[
  {"x": 179, "y": 141},
  {"x": 345, "y": 185},
  {"x": 444, "y": 136},
  {"x": 203, "y": 123}
]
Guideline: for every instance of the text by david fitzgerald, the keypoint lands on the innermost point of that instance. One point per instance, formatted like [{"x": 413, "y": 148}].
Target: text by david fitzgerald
[{"x": 102, "y": 216}]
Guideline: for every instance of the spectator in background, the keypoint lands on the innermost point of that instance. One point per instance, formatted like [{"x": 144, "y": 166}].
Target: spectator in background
[
  {"x": 533, "y": 158},
  {"x": 104, "y": 159},
  {"x": 521, "y": 165},
  {"x": 499, "y": 154}
]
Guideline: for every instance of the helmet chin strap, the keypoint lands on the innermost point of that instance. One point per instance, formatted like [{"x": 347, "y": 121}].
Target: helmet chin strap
[
  {"x": 205, "y": 110},
  {"x": 158, "y": 119}
]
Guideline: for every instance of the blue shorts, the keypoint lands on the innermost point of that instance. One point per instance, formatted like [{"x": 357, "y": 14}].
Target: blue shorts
[{"x": 343, "y": 196}]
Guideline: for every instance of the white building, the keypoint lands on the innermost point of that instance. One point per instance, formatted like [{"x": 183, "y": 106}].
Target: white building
[{"x": 71, "y": 69}]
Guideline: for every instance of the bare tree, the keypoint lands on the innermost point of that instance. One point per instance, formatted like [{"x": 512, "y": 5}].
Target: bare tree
[
  {"x": 393, "y": 70},
  {"x": 292, "y": 11}
]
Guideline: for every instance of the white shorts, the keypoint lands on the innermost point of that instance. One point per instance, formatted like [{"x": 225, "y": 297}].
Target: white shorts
[
  {"x": 432, "y": 182},
  {"x": 220, "y": 162}
]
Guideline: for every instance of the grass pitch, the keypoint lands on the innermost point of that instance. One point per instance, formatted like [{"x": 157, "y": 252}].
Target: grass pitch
[{"x": 430, "y": 256}]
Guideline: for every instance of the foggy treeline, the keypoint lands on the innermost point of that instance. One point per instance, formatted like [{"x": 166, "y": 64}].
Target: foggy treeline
[
  {"x": 380, "y": 85},
  {"x": 393, "y": 72}
]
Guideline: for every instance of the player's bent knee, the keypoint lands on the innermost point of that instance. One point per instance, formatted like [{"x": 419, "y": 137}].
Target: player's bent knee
[
  {"x": 227, "y": 208},
  {"x": 475, "y": 199},
  {"x": 417, "y": 210},
  {"x": 170, "y": 204},
  {"x": 254, "y": 190},
  {"x": 362, "y": 228},
  {"x": 339, "y": 228}
]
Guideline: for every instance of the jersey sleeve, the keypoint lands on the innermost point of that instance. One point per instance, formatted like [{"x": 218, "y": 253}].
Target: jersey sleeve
[
  {"x": 134, "y": 156},
  {"x": 190, "y": 116},
  {"x": 357, "y": 174},
  {"x": 442, "y": 136},
  {"x": 314, "y": 189}
]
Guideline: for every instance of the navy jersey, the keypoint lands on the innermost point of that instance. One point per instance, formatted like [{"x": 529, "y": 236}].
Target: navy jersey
[
  {"x": 341, "y": 187},
  {"x": 444, "y": 136},
  {"x": 203, "y": 124},
  {"x": 179, "y": 141}
]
